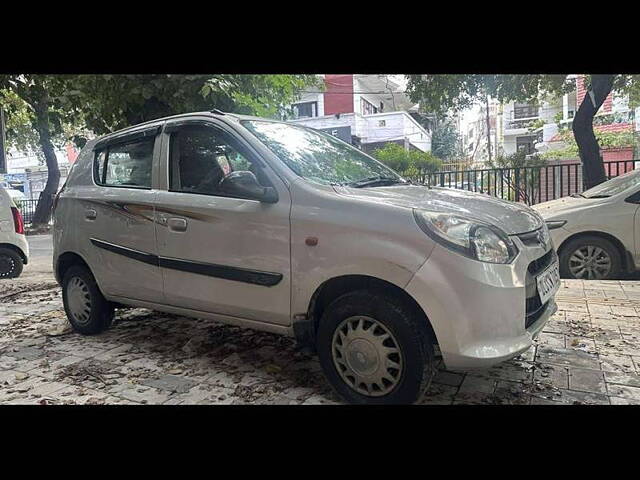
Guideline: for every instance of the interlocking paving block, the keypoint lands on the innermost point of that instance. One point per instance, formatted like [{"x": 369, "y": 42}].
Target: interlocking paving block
[
  {"x": 155, "y": 358},
  {"x": 619, "y": 378},
  {"x": 581, "y": 398},
  {"x": 566, "y": 356},
  {"x": 172, "y": 383},
  {"x": 624, "y": 391},
  {"x": 585, "y": 380}
]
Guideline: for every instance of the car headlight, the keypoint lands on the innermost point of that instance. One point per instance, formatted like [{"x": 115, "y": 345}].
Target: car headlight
[
  {"x": 551, "y": 224},
  {"x": 473, "y": 239}
]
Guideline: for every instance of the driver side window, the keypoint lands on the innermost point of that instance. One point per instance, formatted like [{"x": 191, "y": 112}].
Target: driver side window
[{"x": 200, "y": 157}]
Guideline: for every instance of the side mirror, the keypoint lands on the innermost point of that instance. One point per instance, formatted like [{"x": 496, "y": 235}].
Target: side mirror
[{"x": 245, "y": 184}]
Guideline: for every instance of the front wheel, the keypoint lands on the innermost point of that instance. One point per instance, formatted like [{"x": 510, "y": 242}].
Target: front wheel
[
  {"x": 375, "y": 349},
  {"x": 590, "y": 258}
]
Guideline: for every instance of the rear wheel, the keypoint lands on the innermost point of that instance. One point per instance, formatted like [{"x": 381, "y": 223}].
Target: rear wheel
[
  {"x": 375, "y": 349},
  {"x": 87, "y": 310},
  {"x": 590, "y": 258},
  {"x": 10, "y": 263}
]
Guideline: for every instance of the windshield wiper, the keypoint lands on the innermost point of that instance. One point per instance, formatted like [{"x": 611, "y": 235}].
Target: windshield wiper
[
  {"x": 576, "y": 195},
  {"x": 373, "y": 181},
  {"x": 598, "y": 196}
]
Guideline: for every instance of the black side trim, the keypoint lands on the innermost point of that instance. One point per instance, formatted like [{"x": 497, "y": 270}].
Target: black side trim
[
  {"x": 126, "y": 252},
  {"x": 255, "y": 277}
]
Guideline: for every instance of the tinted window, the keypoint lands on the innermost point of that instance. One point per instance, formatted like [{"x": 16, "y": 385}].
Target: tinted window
[
  {"x": 201, "y": 157},
  {"x": 126, "y": 165}
]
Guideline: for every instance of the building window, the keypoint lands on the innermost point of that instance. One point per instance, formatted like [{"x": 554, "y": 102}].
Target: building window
[
  {"x": 525, "y": 144},
  {"x": 306, "y": 109},
  {"x": 524, "y": 110},
  {"x": 368, "y": 108}
]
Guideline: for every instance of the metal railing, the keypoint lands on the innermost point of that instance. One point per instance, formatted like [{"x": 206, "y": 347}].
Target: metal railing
[
  {"x": 28, "y": 209},
  {"x": 529, "y": 185}
]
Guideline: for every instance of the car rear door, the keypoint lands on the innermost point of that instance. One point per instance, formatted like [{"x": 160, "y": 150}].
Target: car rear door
[
  {"x": 220, "y": 254},
  {"x": 117, "y": 216}
]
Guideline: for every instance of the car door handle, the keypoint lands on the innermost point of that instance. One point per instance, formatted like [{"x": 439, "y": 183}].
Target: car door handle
[
  {"x": 90, "y": 214},
  {"x": 177, "y": 224}
]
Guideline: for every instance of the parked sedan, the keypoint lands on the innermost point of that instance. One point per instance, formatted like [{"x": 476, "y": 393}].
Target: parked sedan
[{"x": 596, "y": 232}]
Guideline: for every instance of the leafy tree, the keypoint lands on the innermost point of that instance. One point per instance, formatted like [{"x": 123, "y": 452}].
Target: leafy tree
[
  {"x": 445, "y": 141},
  {"x": 443, "y": 92},
  {"x": 55, "y": 106},
  {"x": 111, "y": 102},
  {"x": 414, "y": 164},
  {"x": 35, "y": 110}
]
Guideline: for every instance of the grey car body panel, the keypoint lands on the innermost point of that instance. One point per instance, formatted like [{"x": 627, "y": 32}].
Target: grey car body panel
[{"x": 511, "y": 217}]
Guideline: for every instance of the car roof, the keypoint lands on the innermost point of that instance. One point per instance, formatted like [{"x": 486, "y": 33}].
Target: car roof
[{"x": 212, "y": 114}]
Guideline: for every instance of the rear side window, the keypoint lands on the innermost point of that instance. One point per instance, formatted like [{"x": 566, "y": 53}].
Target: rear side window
[{"x": 125, "y": 165}]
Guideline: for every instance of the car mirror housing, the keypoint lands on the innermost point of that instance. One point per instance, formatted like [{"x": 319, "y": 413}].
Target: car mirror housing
[{"x": 245, "y": 184}]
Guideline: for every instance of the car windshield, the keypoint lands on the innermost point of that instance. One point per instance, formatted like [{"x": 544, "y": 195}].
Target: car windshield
[
  {"x": 320, "y": 157},
  {"x": 614, "y": 186}
]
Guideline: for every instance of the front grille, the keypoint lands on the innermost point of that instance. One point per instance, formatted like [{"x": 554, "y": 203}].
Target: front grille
[
  {"x": 533, "y": 308},
  {"x": 541, "y": 263}
]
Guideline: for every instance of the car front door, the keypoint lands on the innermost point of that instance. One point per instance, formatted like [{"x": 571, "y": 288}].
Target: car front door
[{"x": 218, "y": 253}]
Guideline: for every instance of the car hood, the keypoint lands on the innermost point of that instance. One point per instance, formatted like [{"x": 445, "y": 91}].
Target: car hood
[
  {"x": 555, "y": 209},
  {"x": 511, "y": 217}
]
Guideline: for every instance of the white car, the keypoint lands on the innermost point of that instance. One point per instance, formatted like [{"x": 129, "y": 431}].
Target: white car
[
  {"x": 15, "y": 194},
  {"x": 597, "y": 232},
  {"x": 282, "y": 228},
  {"x": 14, "y": 249}
]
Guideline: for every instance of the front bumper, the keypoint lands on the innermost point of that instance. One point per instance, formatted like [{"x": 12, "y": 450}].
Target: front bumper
[{"x": 479, "y": 311}]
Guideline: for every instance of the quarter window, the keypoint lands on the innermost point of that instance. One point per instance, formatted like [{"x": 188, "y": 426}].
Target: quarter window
[{"x": 125, "y": 165}]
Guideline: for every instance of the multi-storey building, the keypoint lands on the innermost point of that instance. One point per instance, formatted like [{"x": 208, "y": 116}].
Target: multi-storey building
[{"x": 365, "y": 110}]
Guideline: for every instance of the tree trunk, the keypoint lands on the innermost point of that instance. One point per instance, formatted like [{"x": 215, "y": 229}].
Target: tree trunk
[
  {"x": 42, "y": 214},
  {"x": 592, "y": 165}
]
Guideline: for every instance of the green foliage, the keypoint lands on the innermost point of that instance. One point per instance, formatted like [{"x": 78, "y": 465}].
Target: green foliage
[
  {"x": 536, "y": 124},
  {"x": 413, "y": 164},
  {"x": 111, "y": 102},
  {"x": 557, "y": 118},
  {"x": 606, "y": 140},
  {"x": 440, "y": 93},
  {"x": 520, "y": 172},
  {"x": 445, "y": 141},
  {"x": 18, "y": 95}
]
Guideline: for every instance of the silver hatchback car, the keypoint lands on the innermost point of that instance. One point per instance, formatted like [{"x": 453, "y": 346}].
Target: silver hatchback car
[{"x": 282, "y": 228}]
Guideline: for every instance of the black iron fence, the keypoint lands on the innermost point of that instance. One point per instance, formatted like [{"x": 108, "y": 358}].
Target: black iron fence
[
  {"x": 530, "y": 185},
  {"x": 27, "y": 208}
]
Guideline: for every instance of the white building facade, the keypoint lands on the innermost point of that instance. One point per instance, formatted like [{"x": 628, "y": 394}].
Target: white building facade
[{"x": 365, "y": 110}]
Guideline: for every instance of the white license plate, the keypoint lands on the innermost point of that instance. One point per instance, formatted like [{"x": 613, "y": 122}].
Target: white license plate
[{"x": 548, "y": 282}]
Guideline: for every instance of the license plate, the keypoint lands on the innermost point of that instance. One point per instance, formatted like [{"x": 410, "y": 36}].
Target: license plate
[{"x": 548, "y": 282}]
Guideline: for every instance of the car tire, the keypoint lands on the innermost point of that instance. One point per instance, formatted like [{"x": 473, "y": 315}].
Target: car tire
[
  {"x": 10, "y": 263},
  {"x": 606, "y": 263},
  {"x": 87, "y": 310},
  {"x": 351, "y": 350}
]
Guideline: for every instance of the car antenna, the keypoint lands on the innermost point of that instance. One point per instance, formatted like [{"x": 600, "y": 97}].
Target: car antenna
[{"x": 215, "y": 110}]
